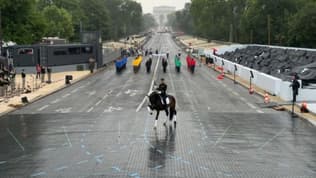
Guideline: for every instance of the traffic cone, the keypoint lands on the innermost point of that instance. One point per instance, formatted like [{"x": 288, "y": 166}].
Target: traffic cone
[
  {"x": 304, "y": 107},
  {"x": 251, "y": 90},
  {"x": 266, "y": 98}
]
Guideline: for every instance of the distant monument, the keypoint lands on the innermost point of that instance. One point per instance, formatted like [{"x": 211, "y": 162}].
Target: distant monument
[{"x": 160, "y": 13}]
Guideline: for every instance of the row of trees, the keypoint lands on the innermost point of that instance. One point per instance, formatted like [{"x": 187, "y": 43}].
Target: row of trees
[
  {"x": 275, "y": 22},
  {"x": 27, "y": 21}
]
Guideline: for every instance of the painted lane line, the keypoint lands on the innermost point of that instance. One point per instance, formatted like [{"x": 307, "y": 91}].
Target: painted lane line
[
  {"x": 42, "y": 108},
  {"x": 89, "y": 110},
  {"x": 66, "y": 95},
  {"x": 105, "y": 96},
  {"x": 61, "y": 168},
  {"x": 158, "y": 167},
  {"x": 55, "y": 101},
  {"x": 219, "y": 139},
  {"x": 99, "y": 102},
  {"x": 82, "y": 162},
  {"x": 74, "y": 91},
  {"x": 259, "y": 111},
  {"x": 151, "y": 86},
  {"x": 251, "y": 105},
  {"x": 15, "y": 139},
  {"x": 270, "y": 140},
  {"x": 243, "y": 99},
  {"x": 66, "y": 134},
  {"x": 38, "y": 174},
  {"x": 2, "y": 162},
  {"x": 235, "y": 93}
]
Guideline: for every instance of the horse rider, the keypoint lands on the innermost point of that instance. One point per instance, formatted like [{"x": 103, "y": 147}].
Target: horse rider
[{"x": 163, "y": 88}]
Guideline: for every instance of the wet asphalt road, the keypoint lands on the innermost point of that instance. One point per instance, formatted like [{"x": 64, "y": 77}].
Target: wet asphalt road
[{"x": 92, "y": 129}]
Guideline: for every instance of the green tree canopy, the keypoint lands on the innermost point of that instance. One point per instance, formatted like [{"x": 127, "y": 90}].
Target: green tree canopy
[
  {"x": 21, "y": 22},
  {"x": 59, "y": 22}
]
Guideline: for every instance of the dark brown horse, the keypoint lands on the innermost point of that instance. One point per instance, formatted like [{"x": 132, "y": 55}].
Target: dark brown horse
[{"x": 155, "y": 103}]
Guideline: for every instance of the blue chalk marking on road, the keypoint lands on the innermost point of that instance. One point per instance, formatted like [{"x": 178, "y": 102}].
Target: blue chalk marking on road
[
  {"x": 83, "y": 146},
  {"x": 88, "y": 153},
  {"x": 3, "y": 162},
  {"x": 133, "y": 174},
  {"x": 191, "y": 151},
  {"x": 81, "y": 162},
  {"x": 158, "y": 167},
  {"x": 117, "y": 169},
  {"x": 38, "y": 174},
  {"x": 61, "y": 168}
]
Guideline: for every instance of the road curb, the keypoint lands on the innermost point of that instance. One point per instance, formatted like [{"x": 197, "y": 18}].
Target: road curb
[{"x": 56, "y": 90}]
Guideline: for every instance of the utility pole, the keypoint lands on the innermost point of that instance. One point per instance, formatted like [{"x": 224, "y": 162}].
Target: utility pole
[
  {"x": 251, "y": 36},
  {"x": 231, "y": 33},
  {"x": 269, "y": 29}
]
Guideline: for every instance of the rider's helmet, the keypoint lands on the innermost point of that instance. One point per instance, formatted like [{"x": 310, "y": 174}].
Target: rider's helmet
[{"x": 162, "y": 79}]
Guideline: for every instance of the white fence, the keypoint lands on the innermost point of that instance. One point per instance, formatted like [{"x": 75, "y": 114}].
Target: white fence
[{"x": 266, "y": 82}]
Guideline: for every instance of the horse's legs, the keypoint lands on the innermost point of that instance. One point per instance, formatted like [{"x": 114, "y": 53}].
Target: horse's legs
[
  {"x": 156, "y": 120},
  {"x": 175, "y": 118}
]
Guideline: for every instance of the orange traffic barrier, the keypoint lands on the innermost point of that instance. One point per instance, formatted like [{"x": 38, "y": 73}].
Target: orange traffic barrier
[
  {"x": 266, "y": 98},
  {"x": 304, "y": 107}
]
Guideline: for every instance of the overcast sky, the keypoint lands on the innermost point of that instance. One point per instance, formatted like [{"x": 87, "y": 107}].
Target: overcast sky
[{"x": 149, "y": 4}]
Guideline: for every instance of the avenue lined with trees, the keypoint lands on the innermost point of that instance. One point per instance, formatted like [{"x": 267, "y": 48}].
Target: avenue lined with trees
[
  {"x": 26, "y": 22},
  {"x": 275, "y": 22}
]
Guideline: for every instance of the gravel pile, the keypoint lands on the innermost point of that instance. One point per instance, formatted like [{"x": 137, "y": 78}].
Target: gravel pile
[{"x": 278, "y": 62}]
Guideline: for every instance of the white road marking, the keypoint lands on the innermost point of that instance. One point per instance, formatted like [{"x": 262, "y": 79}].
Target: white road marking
[
  {"x": 66, "y": 95},
  {"x": 66, "y": 134},
  {"x": 99, "y": 102},
  {"x": 251, "y": 105},
  {"x": 151, "y": 86},
  {"x": 278, "y": 134},
  {"x": 55, "y": 101},
  {"x": 119, "y": 93},
  {"x": 243, "y": 99},
  {"x": 15, "y": 139},
  {"x": 259, "y": 111},
  {"x": 63, "y": 110},
  {"x": 111, "y": 109},
  {"x": 42, "y": 108},
  {"x": 235, "y": 93},
  {"x": 105, "y": 96},
  {"x": 220, "y": 138},
  {"x": 89, "y": 110},
  {"x": 74, "y": 91},
  {"x": 91, "y": 93}
]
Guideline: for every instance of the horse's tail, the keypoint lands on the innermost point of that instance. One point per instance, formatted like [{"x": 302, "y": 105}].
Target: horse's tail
[{"x": 172, "y": 108}]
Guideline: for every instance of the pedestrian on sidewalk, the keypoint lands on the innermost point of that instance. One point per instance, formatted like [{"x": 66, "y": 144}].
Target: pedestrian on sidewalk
[
  {"x": 23, "y": 76},
  {"x": 42, "y": 74},
  {"x": 91, "y": 64},
  {"x": 38, "y": 71}
]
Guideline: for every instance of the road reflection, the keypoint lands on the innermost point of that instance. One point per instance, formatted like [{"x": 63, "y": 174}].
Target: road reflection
[{"x": 161, "y": 146}]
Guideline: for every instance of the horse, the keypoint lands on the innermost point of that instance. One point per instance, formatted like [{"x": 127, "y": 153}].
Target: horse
[{"x": 156, "y": 104}]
